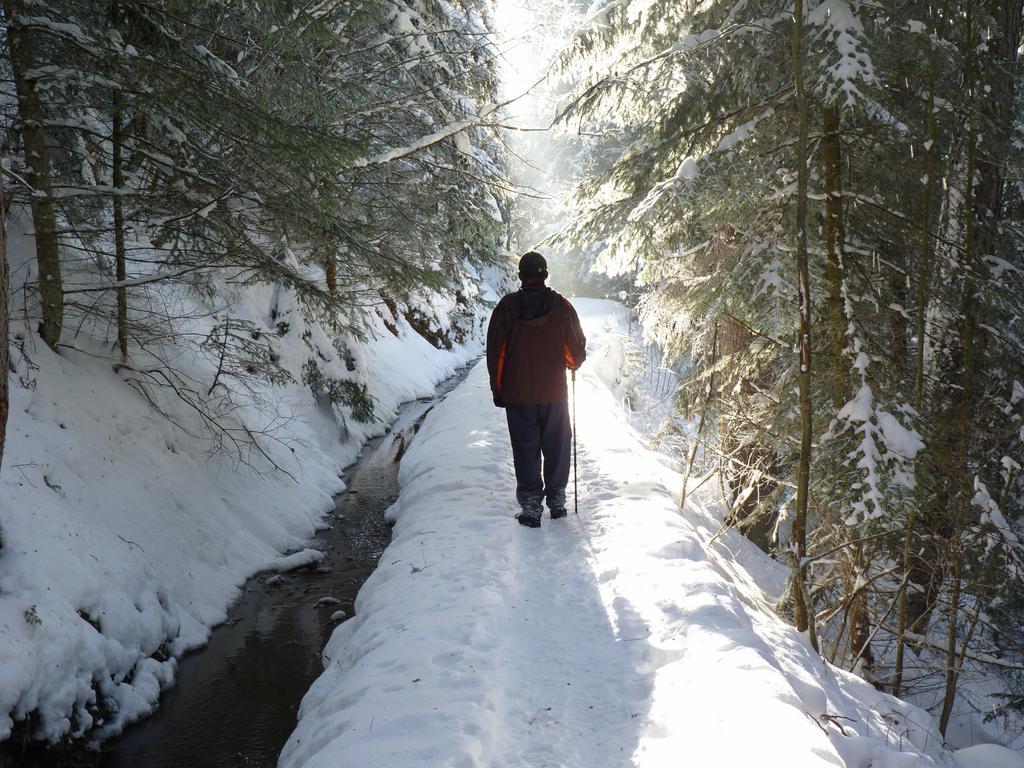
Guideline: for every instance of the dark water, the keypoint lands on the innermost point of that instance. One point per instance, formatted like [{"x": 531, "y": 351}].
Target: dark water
[{"x": 235, "y": 700}]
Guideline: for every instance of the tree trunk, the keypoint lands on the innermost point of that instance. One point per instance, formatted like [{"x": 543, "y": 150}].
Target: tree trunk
[
  {"x": 117, "y": 139},
  {"x": 44, "y": 220},
  {"x": 748, "y": 453},
  {"x": 839, "y": 371},
  {"x": 951, "y": 658},
  {"x": 925, "y": 246},
  {"x": 834, "y": 242},
  {"x": 901, "y": 611},
  {"x": 962, "y": 503},
  {"x": 331, "y": 271},
  {"x": 860, "y": 617},
  {"x": 899, "y": 349},
  {"x": 922, "y": 576},
  {"x": 709, "y": 392},
  {"x": 733, "y": 341},
  {"x": 961, "y": 508},
  {"x": 903, "y": 616},
  {"x": 5, "y": 359},
  {"x": 805, "y": 621}
]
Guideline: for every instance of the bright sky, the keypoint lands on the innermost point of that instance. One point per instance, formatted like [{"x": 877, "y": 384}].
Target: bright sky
[
  {"x": 519, "y": 65},
  {"x": 530, "y": 33}
]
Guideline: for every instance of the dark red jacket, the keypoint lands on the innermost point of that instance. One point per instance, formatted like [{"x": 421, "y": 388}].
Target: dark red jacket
[{"x": 533, "y": 337}]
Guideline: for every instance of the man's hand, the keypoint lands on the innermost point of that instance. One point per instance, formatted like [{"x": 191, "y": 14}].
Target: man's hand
[{"x": 498, "y": 401}]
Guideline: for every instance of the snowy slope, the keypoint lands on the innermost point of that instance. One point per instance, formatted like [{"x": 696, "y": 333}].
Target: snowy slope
[
  {"x": 615, "y": 638},
  {"x": 125, "y": 540}
]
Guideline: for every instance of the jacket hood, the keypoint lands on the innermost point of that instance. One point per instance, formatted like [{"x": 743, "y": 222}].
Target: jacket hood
[{"x": 535, "y": 304}]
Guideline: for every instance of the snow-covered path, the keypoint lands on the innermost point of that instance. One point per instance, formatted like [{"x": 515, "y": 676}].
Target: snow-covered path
[
  {"x": 571, "y": 688},
  {"x": 613, "y": 639}
]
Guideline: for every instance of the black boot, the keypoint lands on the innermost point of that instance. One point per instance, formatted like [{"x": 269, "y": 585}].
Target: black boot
[
  {"x": 557, "y": 513},
  {"x": 530, "y": 521}
]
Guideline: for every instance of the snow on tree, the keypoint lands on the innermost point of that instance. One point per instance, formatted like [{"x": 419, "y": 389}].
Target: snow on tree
[{"x": 691, "y": 184}]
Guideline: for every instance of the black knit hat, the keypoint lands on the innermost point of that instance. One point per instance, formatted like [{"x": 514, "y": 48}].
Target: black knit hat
[{"x": 533, "y": 265}]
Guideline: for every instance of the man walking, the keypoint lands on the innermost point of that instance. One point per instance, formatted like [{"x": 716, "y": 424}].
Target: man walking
[{"x": 533, "y": 337}]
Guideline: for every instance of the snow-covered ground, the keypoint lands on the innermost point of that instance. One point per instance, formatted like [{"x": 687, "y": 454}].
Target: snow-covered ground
[
  {"x": 618, "y": 637},
  {"x": 124, "y": 540}
]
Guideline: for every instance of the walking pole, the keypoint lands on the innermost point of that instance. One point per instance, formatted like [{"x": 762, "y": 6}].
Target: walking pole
[{"x": 575, "y": 474}]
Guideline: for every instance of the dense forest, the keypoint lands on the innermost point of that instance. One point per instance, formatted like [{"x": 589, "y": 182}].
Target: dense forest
[
  {"x": 189, "y": 149},
  {"x": 815, "y": 206},
  {"x": 826, "y": 219}
]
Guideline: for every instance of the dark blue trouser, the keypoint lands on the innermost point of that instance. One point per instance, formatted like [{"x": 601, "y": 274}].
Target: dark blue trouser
[{"x": 538, "y": 430}]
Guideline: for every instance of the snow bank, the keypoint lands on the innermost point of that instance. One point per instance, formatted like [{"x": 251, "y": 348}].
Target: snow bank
[
  {"x": 615, "y": 638},
  {"x": 988, "y": 756},
  {"x": 124, "y": 541}
]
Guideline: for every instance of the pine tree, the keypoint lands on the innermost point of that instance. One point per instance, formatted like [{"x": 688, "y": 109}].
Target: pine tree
[
  {"x": 200, "y": 144},
  {"x": 911, "y": 282},
  {"x": 36, "y": 152}
]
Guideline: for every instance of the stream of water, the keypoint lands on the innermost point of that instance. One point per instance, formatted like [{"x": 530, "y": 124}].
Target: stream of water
[{"x": 234, "y": 702}]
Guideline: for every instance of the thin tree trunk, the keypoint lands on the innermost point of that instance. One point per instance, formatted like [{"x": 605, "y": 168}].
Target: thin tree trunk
[
  {"x": 804, "y": 610},
  {"x": 746, "y": 476},
  {"x": 117, "y": 139},
  {"x": 44, "y": 220},
  {"x": 925, "y": 246},
  {"x": 931, "y": 522},
  {"x": 709, "y": 393},
  {"x": 968, "y": 313},
  {"x": 901, "y": 617},
  {"x": 860, "y": 618},
  {"x": 834, "y": 242},
  {"x": 5, "y": 359},
  {"x": 331, "y": 272},
  {"x": 832, "y": 175},
  {"x": 920, "y": 315},
  {"x": 117, "y": 180},
  {"x": 951, "y": 656},
  {"x": 962, "y": 503},
  {"x": 899, "y": 350}
]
